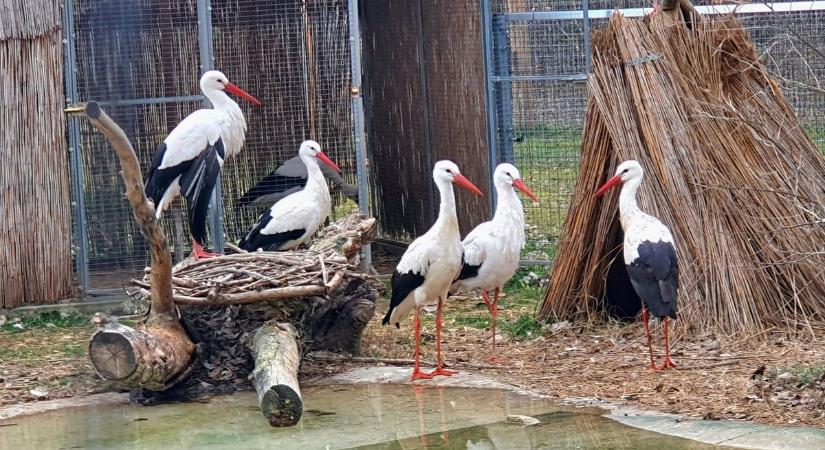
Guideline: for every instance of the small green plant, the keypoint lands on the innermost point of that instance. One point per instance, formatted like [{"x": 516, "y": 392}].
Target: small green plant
[
  {"x": 74, "y": 349},
  {"x": 481, "y": 323},
  {"x": 53, "y": 319},
  {"x": 524, "y": 328},
  {"x": 805, "y": 373}
]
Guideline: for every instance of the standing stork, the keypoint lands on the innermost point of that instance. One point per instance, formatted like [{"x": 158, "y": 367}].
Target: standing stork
[
  {"x": 296, "y": 217},
  {"x": 492, "y": 249},
  {"x": 429, "y": 266},
  {"x": 190, "y": 158},
  {"x": 649, "y": 255}
]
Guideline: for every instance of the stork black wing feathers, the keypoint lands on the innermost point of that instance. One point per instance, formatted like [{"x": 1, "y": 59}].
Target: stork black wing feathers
[
  {"x": 268, "y": 242},
  {"x": 467, "y": 271},
  {"x": 197, "y": 184},
  {"x": 158, "y": 180},
  {"x": 655, "y": 277},
  {"x": 271, "y": 184},
  {"x": 402, "y": 285}
]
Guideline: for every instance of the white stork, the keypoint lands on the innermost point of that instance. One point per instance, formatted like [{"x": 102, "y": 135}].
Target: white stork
[
  {"x": 429, "y": 266},
  {"x": 492, "y": 249},
  {"x": 190, "y": 159},
  {"x": 649, "y": 255},
  {"x": 294, "y": 219},
  {"x": 289, "y": 177}
]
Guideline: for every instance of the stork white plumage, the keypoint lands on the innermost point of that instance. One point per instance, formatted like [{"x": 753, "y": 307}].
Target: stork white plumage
[
  {"x": 649, "y": 255},
  {"x": 289, "y": 177},
  {"x": 190, "y": 158},
  {"x": 429, "y": 266},
  {"x": 492, "y": 249},
  {"x": 295, "y": 218}
]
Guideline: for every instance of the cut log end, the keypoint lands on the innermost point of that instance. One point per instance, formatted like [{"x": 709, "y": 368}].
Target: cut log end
[
  {"x": 282, "y": 406},
  {"x": 275, "y": 377},
  {"x": 112, "y": 356}
]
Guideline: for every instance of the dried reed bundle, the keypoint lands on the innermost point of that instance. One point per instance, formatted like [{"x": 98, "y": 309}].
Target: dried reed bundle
[
  {"x": 728, "y": 168},
  {"x": 35, "y": 214}
]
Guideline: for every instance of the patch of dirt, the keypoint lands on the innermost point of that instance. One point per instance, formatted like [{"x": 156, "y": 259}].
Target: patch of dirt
[
  {"x": 610, "y": 362},
  {"x": 46, "y": 364}
]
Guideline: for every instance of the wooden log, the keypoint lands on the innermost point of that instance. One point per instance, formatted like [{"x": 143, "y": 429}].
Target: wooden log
[
  {"x": 158, "y": 354},
  {"x": 275, "y": 377},
  {"x": 149, "y": 358}
]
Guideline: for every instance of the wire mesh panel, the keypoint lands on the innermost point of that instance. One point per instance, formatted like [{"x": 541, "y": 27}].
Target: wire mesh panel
[
  {"x": 540, "y": 62},
  {"x": 294, "y": 57},
  {"x": 142, "y": 60},
  {"x": 137, "y": 54}
]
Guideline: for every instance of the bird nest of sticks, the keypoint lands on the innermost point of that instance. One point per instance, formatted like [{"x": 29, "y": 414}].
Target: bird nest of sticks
[{"x": 249, "y": 277}]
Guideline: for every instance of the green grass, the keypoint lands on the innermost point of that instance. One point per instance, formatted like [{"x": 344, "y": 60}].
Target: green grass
[
  {"x": 804, "y": 372},
  {"x": 548, "y": 159},
  {"x": 525, "y": 327},
  {"x": 51, "y": 319}
]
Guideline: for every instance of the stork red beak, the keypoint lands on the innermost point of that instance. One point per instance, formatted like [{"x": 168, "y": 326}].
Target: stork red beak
[
  {"x": 462, "y": 181},
  {"x": 519, "y": 184},
  {"x": 235, "y": 90},
  {"x": 325, "y": 159},
  {"x": 611, "y": 183}
]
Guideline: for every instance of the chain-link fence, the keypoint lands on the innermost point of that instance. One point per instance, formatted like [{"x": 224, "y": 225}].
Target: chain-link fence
[
  {"x": 539, "y": 60},
  {"x": 142, "y": 60}
]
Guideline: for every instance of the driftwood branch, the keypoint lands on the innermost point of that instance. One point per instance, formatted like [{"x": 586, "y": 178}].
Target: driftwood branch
[
  {"x": 162, "y": 304},
  {"x": 158, "y": 353}
]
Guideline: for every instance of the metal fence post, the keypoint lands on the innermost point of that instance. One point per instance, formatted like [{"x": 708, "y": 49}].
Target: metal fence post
[
  {"x": 586, "y": 32},
  {"x": 490, "y": 94},
  {"x": 207, "y": 59},
  {"x": 358, "y": 118},
  {"x": 504, "y": 97},
  {"x": 81, "y": 243}
]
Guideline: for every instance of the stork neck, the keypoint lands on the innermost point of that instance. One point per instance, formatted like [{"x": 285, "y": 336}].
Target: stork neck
[
  {"x": 220, "y": 100},
  {"x": 508, "y": 219},
  {"x": 508, "y": 204},
  {"x": 627, "y": 201},
  {"x": 315, "y": 179},
  {"x": 446, "y": 211}
]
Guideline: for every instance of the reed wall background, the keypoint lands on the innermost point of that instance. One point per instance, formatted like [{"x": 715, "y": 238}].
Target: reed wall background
[{"x": 35, "y": 215}]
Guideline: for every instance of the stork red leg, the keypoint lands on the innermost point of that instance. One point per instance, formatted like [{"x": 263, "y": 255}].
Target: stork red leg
[
  {"x": 668, "y": 362},
  {"x": 494, "y": 312},
  {"x": 417, "y": 373},
  {"x": 199, "y": 253},
  {"x": 439, "y": 368},
  {"x": 649, "y": 337},
  {"x": 486, "y": 297}
]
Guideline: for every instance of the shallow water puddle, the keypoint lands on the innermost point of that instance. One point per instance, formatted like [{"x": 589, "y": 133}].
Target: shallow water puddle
[{"x": 376, "y": 416}]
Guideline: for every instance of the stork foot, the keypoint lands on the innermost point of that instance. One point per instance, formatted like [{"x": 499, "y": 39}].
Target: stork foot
[
  {"x": 442, "y": 371},
  {"x": 418, "y": 374},
  {"x": 668, "y": 363},
  {"x": 198, "y": 251},
  {"x": 493, "y": 360},
  {"x": 654, "y": 367}
]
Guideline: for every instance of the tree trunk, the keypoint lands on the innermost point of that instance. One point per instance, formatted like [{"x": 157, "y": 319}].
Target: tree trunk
[
  {"x": 275, "y": 377},
  {"x": 159, "y": 353}
]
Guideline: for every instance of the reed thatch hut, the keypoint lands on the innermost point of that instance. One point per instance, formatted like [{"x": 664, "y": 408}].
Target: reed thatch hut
[
  {"x": 35, "y": 221},
  {"x": 728, "y": 168}
]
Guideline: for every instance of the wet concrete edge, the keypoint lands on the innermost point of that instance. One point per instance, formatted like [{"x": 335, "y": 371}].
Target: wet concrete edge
[{"x": 722, "y": 432}]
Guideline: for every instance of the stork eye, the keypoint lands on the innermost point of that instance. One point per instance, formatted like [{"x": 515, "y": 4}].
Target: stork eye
[
  {"x": 625, "y": 171},
  {"x": 449, "y": 171}
]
